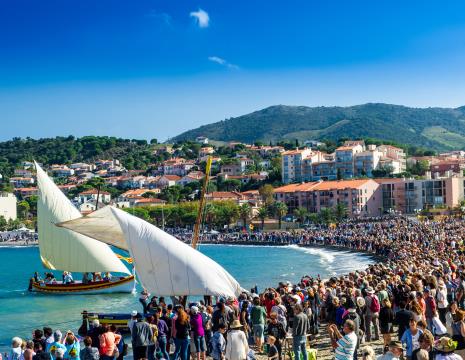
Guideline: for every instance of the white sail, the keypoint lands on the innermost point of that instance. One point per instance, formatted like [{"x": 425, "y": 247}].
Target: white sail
[
  {"x": 63, "y": 249},
  {"x": 100, "y": 225},
  {"x": 165, "y": 265}
]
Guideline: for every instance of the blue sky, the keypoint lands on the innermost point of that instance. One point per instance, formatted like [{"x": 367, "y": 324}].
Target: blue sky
[{"x": 152, "y": 68}]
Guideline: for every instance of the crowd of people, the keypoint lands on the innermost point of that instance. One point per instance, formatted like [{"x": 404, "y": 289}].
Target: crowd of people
[
  {"x": 23, "y": 237},
  {"x": 413, "y": 301}
]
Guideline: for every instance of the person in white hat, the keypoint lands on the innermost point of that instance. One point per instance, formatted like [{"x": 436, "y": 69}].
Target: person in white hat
[
  {"x": 237, "y": 346},
  {"x": 371, "y": 314},
  {"x": 133, "y": 320}
]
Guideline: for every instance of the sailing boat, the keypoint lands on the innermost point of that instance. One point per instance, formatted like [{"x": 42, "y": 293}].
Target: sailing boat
[
  {"x": 165, "y": 265},
  {"x": 65, "y": 250}
]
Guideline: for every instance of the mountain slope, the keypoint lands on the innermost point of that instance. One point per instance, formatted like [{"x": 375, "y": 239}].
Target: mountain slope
[{"x": 437, "y": 128}]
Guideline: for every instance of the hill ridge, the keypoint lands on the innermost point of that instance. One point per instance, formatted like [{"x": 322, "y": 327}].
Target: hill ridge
[{"x": 439, "y": 128}]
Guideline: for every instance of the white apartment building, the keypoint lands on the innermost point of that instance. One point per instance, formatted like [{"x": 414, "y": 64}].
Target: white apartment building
[{"x": 8, "y": 205}]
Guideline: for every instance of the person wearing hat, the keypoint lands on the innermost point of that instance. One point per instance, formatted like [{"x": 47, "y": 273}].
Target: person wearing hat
[
  {"x": 133, "y": 320},
  {"x": 237, "y": 346},
  {"x": 394, "y": 353},
  {"x": 443, "y": 303},
  {"x": 445, "y": 348},
  {"x": 198, "y": 332},
  {"x": 371, "y": 314}
]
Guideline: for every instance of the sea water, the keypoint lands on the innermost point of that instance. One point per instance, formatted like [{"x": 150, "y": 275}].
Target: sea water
[{"x": 264, "y": 266}]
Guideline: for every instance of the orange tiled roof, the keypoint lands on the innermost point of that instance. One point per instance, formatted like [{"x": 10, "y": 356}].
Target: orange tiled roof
[
  {"x": 172, "y": 177},
  {"x": 345, "y": 148},
  {"x": 150, "y": 201},
  {"x": 388, "y": 180},
  {"x": 93, "y": 191},
  {"x": 341, "y": 184},
  {"x": 296, "y": 187}
]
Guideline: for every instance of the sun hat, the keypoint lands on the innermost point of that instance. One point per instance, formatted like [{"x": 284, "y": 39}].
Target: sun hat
[
  {"x": 370, "y": 290},
  {"x": 236, "y": 324},
  {"x": 445, "y": 344},
  {"x": 134, "y": 313}
]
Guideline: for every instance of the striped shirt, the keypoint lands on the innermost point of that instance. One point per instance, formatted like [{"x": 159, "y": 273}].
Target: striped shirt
[{"x": 346, "y": 347}]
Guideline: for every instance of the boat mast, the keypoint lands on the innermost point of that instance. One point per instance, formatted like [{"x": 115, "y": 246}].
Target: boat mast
[{"x": 195, "y": 237}]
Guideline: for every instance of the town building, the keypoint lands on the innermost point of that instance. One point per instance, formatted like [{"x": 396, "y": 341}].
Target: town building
[
  {"x": 91, "y": 194},
  {"x": 360, "y": 197},
  {"x": 410, "y": 196},
  {"x": 8, "y": 206}
]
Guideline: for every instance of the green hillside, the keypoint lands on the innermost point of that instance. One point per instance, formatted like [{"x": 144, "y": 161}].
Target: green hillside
[
  {"x": 134, "y": 154},
  {"x": 435, "y": 128}
]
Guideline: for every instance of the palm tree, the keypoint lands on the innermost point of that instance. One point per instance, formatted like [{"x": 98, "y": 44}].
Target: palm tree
[
  {"x": 281, "y": 210},
  {"x": 326, "y": 215},
  {"x": 96, "y": 182},
  {"x": 340, "y": 211},
  {"x": 301, "y": 215},
  {"x": 262, "y": 214},
  {"x": 244, "y": 212}
]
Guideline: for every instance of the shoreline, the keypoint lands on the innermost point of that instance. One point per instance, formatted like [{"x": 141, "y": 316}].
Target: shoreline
[{"x": 376, "y": 257}]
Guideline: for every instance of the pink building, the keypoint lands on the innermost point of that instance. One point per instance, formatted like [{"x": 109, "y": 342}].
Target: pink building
[{"x": 360, "y": 197}]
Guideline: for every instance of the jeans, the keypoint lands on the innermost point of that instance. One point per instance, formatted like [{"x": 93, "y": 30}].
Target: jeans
[
  {"x": 151, "y": 352},
  {"x": 182, "y": 349},
  {"x": 299, "y": 345},
  {"x": 162, "y": 346},
  {"x": 199, "y": 342}
]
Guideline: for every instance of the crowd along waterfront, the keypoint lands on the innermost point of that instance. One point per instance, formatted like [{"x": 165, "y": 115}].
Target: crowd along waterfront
[{"x": 22, "y": 311}]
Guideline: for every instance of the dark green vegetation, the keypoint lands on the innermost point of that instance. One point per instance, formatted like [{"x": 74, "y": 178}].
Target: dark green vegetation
[
  {"x": 434, "y": 128},
  {"x": 134, "y": 154}
]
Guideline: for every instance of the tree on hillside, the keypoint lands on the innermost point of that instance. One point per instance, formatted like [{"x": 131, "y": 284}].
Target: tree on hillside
[
  {"x": 23, "y": 209},
  {"x": 281, "y": 210},
  {"x": 266, "y": 192},
  {"x": 3, "y": 223},
  {"x": 171, "y": 194}
]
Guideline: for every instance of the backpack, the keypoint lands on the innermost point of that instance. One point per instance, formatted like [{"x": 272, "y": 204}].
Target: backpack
[{"x": 374, "y": 307}]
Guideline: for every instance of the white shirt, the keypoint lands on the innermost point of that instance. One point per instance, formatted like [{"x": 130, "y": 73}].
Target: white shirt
[{"x": 237, "y": 346}]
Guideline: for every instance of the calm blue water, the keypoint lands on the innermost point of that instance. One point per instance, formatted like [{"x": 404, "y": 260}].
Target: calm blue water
[{"x": 21, "y": 312}]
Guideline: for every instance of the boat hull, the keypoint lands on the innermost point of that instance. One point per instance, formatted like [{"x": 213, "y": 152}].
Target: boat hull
[{"x": 121, "y": 285}]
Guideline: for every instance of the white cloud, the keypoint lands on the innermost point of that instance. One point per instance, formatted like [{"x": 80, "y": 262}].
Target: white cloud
[
  {"x": 223, "y": 62},
  {"x": 201, "y": 18}
]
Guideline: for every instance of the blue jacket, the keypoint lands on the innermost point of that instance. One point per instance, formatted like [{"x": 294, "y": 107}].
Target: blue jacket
[{"x": 407, "y": 340}]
